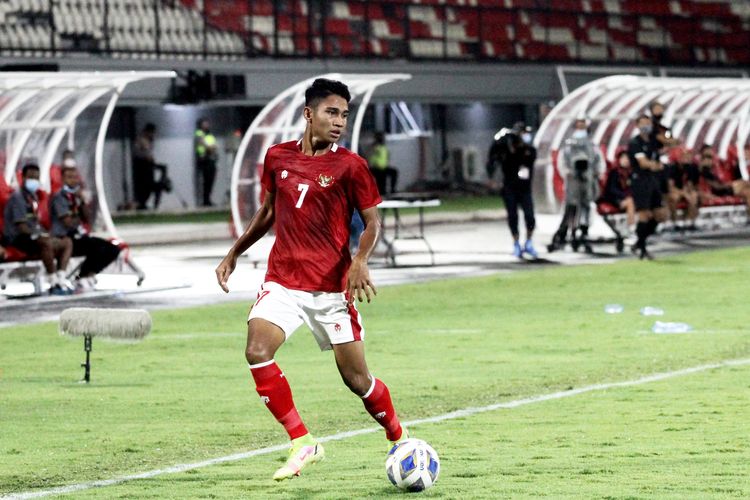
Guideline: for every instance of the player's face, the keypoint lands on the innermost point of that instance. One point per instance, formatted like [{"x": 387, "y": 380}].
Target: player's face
[{"x": 328, "y": 118}]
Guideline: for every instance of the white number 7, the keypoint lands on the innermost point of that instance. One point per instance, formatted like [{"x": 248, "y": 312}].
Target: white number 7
[{"x": 303, "y": 188}]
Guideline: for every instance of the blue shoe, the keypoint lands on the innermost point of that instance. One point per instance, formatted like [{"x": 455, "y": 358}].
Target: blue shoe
[
  {"x": 517, "y": 250},
  {"x": 58, "y": 290},
  {"x": 529, "y": 249}
]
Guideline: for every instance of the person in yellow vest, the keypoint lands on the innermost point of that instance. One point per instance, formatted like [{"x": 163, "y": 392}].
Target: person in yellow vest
[
  {"x": 205, "y": 163},
  {"x": 380, "y": 165}
]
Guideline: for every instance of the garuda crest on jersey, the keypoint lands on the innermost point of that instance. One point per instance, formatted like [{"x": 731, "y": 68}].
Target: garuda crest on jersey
[{"x": 325, "y": 180}]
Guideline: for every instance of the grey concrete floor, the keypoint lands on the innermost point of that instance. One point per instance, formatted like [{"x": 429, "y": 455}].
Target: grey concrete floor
[{"x": 182, "y": 274}]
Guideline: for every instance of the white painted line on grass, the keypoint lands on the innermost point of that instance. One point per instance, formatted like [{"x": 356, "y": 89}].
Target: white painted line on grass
[{"x": 345, "y": 435}]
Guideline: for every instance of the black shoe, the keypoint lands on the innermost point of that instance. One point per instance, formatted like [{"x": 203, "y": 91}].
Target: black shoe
[{"x": 645, "y": 255}]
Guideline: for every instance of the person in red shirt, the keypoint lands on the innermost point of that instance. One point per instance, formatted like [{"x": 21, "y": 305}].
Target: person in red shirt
[{"x": 311, "y": 188}]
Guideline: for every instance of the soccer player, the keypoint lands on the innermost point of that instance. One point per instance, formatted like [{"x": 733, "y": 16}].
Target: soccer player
[{"x": 311, "y": 187}]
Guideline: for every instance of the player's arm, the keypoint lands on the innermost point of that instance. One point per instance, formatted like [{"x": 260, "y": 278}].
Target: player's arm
[
  {"x": 358, "y": 284},
  {"x": 259, "y": 226}
]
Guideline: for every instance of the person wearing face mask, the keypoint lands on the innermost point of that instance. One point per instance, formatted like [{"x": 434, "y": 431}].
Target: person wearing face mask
[
  {"x": 70, "y": 217},
  {"x": 582, "y": 163},
  {"x": 683, "y": 177},
  {"x": 23, "y": 231},
  {"x": 616, "y": 189},
  {"x": 643, "y": 153},
  {"x": 513, "y": 151},
  {"x": 660, "y": 132}
]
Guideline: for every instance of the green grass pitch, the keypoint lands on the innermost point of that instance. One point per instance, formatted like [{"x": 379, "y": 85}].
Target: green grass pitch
[{"x": 185, "y": 394}]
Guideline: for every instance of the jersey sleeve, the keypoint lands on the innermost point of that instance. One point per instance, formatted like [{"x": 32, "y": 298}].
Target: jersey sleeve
[
  {"x": 364, "y": 190},
  {"x": 267, "y": 179}
]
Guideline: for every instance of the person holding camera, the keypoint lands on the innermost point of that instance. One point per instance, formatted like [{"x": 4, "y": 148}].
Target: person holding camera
[
  {"x": 514, "y": 153},
  {"x": 582, "y": 163}
]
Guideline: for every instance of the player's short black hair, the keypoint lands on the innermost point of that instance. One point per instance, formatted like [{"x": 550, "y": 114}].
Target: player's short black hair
[
  {"x": 641, "y": 117},
  {"x": 29, "y": 166},
  {"x": 150, "y": 127},
  {"x": 322, "y": 88}
]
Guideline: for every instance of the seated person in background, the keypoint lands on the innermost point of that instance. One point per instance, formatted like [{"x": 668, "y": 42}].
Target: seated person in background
[
  {"x": 718, "y": 188},
  {"x": 380, "y": 165},
  {"x": 23, "y": 231},
  {"x": 683, "y": 176},
  {"x": 617, "y": 187},
  {"x": 69, "y": 215}
]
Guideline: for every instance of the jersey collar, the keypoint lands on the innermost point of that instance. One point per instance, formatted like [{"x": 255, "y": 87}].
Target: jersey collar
[{"x": 334, "y": 146}]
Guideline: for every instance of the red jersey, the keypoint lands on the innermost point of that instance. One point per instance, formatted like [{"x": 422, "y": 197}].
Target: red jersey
[{"x": 315, "y": 198}]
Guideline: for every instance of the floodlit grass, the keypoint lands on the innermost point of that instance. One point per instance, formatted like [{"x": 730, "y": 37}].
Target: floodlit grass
[
  {"x": 185, "y": 395},
  {"x": 449, "y": 203}
]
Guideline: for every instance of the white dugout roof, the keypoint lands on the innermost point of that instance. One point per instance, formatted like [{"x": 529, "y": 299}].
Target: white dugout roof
[
  {"x": 698, "y": 111},
  {"x": 281, "y": 120},
  {"x": 38, "y": 111}
]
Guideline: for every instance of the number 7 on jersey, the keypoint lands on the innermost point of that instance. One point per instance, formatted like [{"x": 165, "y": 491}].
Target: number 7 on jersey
[{"x": 303, "y": 188}]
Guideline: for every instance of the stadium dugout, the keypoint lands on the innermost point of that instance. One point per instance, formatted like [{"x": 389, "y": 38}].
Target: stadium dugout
[
  {"x": 40, "y": 115},
  {"x": 713, "y": 111},
  {"x": 281, "y": 120}
]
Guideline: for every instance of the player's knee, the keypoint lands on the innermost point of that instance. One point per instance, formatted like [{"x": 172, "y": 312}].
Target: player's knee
[
  {"x": 358, "y": 383},
  {"x": 258, "y": 353}
]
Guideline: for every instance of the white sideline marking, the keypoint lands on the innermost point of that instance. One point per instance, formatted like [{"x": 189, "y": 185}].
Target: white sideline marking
[{"x": 344, "y": 435}]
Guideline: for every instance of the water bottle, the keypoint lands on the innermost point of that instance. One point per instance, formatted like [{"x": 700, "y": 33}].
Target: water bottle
[
  {"x": 613, "y": 308},
  {"x": 652, "y": 311},
  {"x": 669, "y": 327}
]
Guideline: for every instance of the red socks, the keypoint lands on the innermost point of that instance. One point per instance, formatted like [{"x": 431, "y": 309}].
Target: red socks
[
  {"x": 274, "y": 391},
  {"x": 378, "y": 404}
]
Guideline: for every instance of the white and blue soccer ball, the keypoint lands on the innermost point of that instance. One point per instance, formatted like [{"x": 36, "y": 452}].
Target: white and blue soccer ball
[{"x": 412, "y": 465}]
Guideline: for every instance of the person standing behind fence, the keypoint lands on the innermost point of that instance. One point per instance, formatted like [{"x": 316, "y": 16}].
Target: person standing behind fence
[
  {"x": 143, "y": 165},
  {"x": 204, "y": 143},
  {"x": 70, "y": 216},
  {"x": 513, "y": 153},
  {"x": 380, "y": 166},
  {"x": 23, "y": 231}
]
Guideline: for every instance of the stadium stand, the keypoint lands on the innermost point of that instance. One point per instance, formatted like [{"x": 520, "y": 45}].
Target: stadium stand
[{"x": 567, "y": 31}]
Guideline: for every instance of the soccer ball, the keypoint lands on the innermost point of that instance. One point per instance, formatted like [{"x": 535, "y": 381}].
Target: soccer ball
[{"x": 412, "y": 465}]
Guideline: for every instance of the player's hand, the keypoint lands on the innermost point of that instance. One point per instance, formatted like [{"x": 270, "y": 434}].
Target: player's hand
[
  {"x": 224, "y": 270},
  {"x": 358, "y": 284}
]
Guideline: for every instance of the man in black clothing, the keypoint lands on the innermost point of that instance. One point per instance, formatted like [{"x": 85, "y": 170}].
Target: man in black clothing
[
  {"x": 643, "y": 153},
  {"x": 513, "y": 152}
]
